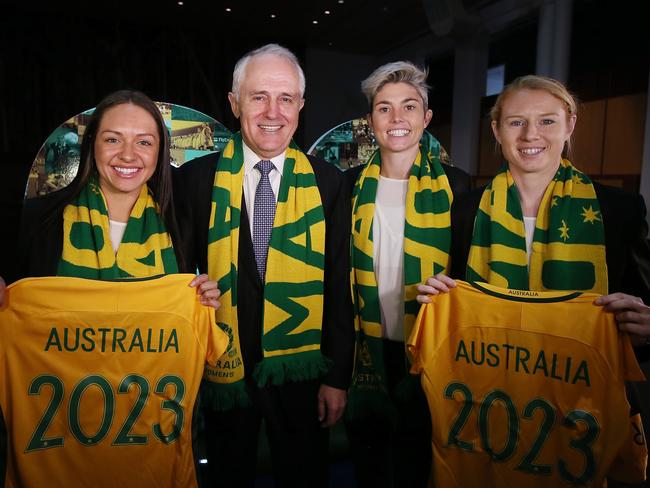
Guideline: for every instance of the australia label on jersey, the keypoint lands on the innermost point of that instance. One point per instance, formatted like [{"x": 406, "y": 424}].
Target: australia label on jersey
[
  {"x": 524, "y": 388},
  {"x": 112, "y": 339}
]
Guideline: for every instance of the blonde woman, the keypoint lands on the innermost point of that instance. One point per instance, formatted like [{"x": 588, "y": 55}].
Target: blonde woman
[{"x": 400, "y": 232}]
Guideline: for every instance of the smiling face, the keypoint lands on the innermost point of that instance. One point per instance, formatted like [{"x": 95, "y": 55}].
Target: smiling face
[
  {"x": 532, "y": 130},
  {"x": 268, "y": 104},
  {"x": 398, "y": 118},
  {"x": 126, "y": 150}
]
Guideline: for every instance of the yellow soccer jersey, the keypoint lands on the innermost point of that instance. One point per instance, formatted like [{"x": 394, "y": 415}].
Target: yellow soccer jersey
[
  {"x": 98, "y": 380},
  {"x": 525, "y": 388}
]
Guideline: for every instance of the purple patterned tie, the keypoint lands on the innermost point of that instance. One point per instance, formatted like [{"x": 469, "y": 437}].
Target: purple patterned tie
[{"x": 263, "y": 215}]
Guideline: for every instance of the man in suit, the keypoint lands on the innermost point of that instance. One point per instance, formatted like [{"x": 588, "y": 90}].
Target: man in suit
[{"x": 298, "y": 389}]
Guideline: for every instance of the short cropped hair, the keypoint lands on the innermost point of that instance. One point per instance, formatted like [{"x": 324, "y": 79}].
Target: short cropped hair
[
  {"x": 272, "y": 50},
  {"x": 397, "y": 72}
]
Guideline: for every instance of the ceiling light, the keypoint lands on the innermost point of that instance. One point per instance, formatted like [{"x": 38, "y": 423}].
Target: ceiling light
[
  {"x": 273, "y": 16},
  {"x": 180, "y": 3},
  {"x": 228, "y": 9},
  {"x": 341, "y": 1},
  {"x": 327, "y": 12},
  {"x": 314, "y": 22}
]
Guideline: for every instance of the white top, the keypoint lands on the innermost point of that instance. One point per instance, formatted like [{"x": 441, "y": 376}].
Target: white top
[
  {"x": 529, "y": 224},
  {"x": 252, "y": 178},
  {"x": 388, "y": 245},
  {"x": 117, "y": 232}
]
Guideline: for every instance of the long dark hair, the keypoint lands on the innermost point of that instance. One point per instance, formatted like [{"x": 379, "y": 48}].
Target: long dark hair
[{"x": 160, "y": 182}]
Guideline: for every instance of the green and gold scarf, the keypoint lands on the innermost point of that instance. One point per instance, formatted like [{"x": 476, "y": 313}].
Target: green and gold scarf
[
  {"x": 293, "y": 291},
  {"x": 568, "y": 251},
  {"x": 146, "y": 248},
  {"x": 427, "y": 239}
]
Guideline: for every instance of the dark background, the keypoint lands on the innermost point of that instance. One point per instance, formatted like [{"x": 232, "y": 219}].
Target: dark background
[{"x": 59, "y": 58}]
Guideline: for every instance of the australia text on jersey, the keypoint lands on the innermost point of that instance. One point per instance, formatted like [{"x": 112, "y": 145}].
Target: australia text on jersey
[
  {"x": 521, "y": 360},
  {"x": 112, "y": 339}
]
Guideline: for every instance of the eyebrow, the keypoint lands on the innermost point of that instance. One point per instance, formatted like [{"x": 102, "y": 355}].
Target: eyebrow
[
  {"x": 403, "y": 101},
  {"x": 120, "y": 133},
  {"x": 540, "y": 115},
  {"x": 264, "y": 92}
]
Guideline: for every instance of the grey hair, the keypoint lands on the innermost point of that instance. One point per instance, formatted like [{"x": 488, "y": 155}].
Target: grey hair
[
  {"x": 397, "y": 72},
  {"x": 267, "y": 50}
]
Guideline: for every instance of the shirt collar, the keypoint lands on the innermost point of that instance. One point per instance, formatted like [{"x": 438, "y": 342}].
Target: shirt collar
[{"x": 251, "y": 159}]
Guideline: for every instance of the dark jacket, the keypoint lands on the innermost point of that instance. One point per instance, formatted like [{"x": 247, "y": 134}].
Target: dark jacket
[
  {"x": 193, "y": 184},
  {"x": 40, "y": 239}
]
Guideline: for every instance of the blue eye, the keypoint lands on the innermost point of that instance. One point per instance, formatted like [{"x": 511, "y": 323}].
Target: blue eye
[{"x": 517, "y": 123}]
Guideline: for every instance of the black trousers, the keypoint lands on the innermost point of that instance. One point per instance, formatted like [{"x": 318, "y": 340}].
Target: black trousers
[
  {"x": 297, "y": 442},
  {"x": 397, "y": 455}
]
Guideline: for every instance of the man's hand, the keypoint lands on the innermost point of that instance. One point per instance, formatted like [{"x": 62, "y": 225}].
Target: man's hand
[{"x": 331, "y": 404}]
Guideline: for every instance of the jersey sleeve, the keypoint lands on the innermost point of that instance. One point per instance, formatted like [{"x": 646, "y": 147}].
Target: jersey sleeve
[
  {"x": 631, "y": 369},
  {"x": 218, "y": 340},
  {"x": 417, "y": 344}
]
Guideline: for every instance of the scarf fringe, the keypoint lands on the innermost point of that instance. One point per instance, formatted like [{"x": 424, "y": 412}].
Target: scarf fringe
[
  {"x": 278, "y": 370},
  {"x": 224, "y": 396}
]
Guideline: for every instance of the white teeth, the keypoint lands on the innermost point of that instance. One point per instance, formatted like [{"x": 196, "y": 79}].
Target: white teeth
[
  {"x": 125, "y": 171},
  {"x": 398, "y": 132},
  {"x": 530, "y": 151},
  {"x": 270, "y": 128}
]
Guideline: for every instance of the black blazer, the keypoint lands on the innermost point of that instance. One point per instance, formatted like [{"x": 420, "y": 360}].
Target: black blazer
[
  {"x": 626, "y": 246},
  {"x": 40, "y": 237},
  {"x": 192, "y": 195}
]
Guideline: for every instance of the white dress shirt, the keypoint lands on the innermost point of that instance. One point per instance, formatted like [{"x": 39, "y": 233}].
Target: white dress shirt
[{"x": 252, "y": 178}]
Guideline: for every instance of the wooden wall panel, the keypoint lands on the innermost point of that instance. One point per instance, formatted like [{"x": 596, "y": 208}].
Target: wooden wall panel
[
  {"x": 624, "y": 129},
  {"x": 588, "y": 137}
]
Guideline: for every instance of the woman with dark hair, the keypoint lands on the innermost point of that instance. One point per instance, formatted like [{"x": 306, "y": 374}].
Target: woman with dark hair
[{"x": 116, "y": 219}]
